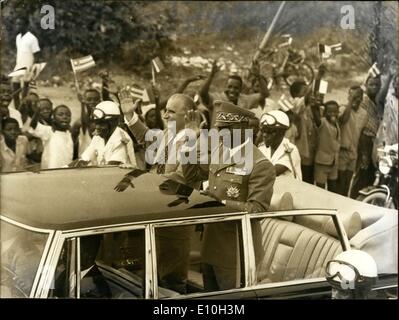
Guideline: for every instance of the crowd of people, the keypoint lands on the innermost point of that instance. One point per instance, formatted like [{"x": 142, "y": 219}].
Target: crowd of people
[{"x": 320, "y": 142}]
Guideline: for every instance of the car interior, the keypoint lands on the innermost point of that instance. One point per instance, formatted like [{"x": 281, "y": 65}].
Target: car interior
[{"x": 297, "y": 249}]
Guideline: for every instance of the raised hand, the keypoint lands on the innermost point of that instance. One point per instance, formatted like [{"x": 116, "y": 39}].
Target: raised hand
[
  {"x": 215, "y": 68},
  {"x": 195, "y": 120},
  {"x": 127, "y": 106}
]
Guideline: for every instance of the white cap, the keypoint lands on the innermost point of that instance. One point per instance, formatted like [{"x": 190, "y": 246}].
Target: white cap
[
  {"x": 275, "y": 118},
  {"x": 109, "y": 108}
]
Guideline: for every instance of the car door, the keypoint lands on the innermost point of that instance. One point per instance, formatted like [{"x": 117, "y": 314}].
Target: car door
[
  {"x": 203, "y": 258},
  {"x": 103, "y": 263}
]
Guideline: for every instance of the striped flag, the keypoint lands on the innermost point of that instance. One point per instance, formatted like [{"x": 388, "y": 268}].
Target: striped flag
[
  {"x": 374, "y": 71},
  {"x": 140, "y": 94},
  {"x": 285, "y": 104},
  {"x": 158, "y": 65},
  {"x": 326, "y": 51},
  {"x": 336, "y": 47},
  {"x": 82, "y": 64}
]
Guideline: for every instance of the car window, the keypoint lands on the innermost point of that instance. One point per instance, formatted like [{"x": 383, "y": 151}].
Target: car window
[
  {"x": 21, "y": 252},
  {"x": 112, "y": 265},
  {"x": 199, "y": 258},
  {"x": 293, "y": 247}
]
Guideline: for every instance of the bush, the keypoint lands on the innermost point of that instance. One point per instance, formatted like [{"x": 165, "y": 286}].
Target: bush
[{"x": 108, "y": 30}]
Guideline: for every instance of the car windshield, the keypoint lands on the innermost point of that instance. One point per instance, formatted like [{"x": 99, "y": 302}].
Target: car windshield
[{"x": 21, "y": 251}]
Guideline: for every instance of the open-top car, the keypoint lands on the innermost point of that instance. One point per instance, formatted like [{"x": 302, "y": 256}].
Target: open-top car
[{"x": 68, "y": 234}]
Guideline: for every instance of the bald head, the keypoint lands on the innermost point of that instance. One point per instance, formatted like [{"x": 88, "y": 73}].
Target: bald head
[{"x": 180, "y": 103}]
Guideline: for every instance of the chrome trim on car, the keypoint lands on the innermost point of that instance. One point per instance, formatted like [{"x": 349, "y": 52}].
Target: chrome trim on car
[
  {"x": 52, "y": 259},
  {"x": 149, "y": 263},
  {"x": 78, "y": 277},
  {"x": 51, "y": 263},
  {"x": 154, "y": 269},
  {"x": 102, "y": 228},
  {"x": 248, "y": 243},
  {"x": 25, "y": 226}
]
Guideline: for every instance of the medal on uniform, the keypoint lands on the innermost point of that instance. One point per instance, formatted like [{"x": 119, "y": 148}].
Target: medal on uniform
[{"x": 233, "y": 192}]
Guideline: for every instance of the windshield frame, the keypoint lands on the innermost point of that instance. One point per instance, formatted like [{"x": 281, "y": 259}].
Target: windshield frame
[{"x": 50, "y": 236}]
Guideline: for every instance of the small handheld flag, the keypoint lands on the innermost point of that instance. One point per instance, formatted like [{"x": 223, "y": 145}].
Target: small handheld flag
[
  {"x": 285, "y": 104},
  {"x": 39, "y": 69},
  {"x": 374, "y": 71},
  {"x": 19, "y": 72},
  {"x": 270, "y": 84},
  {"x": 158, "y": 65},
  {"x": 82, "y": 64},
  {"x": 326, "y": 51},
  {"x": 288, "y": 42},
  {"x": 336, "y": 47},
  {"x": 321, "y": 86},
  {"x": 144, "y": 94}
]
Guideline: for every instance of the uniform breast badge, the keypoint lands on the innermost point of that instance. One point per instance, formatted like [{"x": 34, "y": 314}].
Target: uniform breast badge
[{"x": 233, "y": 192}]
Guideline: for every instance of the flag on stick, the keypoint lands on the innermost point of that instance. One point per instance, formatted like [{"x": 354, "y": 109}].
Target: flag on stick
[
  {"x": 321, "y": 86},
  {"x": 82, "y": 64},
  {"x": 270, "y": 84},
  {"x": 158, "y": 65},
  {"x": 142, "y": 94},
  {"x": 326, "y": 51},
  {"x": 19, "y": 72},
  {"x": 374, "y": 71},
  {"x": 288, "y": 42},
  {"x": 285, "y": 104},
  {"x": 39, "y": 69},
  {"x": 336, "y": 47}
]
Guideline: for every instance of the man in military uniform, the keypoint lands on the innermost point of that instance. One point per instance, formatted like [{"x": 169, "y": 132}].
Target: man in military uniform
[{"x": 246, "y": 184}]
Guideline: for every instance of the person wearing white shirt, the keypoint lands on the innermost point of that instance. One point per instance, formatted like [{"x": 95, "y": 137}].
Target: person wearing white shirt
[
  {"x": 56, "y": 139},
  {"x": 111, "y": 145},
  {"x": 279, "y": 150},
  {"x": 27, "y": 54}
]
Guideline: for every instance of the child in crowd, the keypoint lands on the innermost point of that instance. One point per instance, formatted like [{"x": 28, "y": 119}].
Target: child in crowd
[
  {"x": 306, "y": 128},
  {"x": 56, "y": 138},
  {"x": 14, "y": 147},
  {"x": 83, "y": 128},
  {"x": 45, "y": 107},
  {"x": 352, "y": 122},
  {"x": 328, "y": 145}
]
